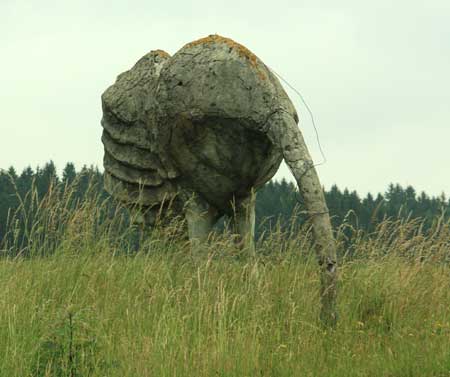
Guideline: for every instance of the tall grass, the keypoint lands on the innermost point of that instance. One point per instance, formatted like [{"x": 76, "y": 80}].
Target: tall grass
[{"x": 83, "y": 292}]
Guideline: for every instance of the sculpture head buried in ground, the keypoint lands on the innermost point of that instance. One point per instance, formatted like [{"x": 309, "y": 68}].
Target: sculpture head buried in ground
[{"x": 204, "y": 128}]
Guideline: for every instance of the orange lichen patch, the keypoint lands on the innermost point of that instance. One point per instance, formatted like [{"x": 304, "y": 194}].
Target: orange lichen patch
[
  {"x": 242, "y": 51},
  {"x": 161, "y": 53}
]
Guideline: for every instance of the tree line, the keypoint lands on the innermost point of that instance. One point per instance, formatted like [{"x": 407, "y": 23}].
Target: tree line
[{"x": 277, "y": 203}]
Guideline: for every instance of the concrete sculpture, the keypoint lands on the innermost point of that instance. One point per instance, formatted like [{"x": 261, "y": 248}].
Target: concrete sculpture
[{"x": 204, "y": 129}]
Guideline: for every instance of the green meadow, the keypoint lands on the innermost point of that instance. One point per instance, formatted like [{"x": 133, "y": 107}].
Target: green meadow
[{"x": 83, "y": 293}]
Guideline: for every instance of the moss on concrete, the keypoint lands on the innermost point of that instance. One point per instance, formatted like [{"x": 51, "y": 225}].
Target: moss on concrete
[{"x": 241, "y": 50}]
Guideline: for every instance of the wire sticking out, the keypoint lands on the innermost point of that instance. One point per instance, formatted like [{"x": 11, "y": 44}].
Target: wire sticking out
[{"x": 310, "y": 114}]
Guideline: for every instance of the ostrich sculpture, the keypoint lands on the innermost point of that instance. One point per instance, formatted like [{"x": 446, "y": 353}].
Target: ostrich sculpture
[{"x": 205, "y": 128}]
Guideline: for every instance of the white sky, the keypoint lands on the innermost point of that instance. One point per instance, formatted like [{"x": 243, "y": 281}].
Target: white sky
[{"x": 376, "y": 75}]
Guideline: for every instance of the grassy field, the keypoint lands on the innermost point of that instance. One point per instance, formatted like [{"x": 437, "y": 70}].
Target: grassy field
[{"x": 93, "y": 307}]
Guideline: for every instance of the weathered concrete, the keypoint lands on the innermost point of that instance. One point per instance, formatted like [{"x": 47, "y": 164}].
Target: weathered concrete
[{"x": 207, "y": 127}]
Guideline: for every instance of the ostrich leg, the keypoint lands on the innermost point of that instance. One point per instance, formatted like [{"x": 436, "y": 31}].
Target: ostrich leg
[
  {"x": 284, "y": 132},
  {"x": 200, "y": 217},
  {"x": 244, "y": 222}
]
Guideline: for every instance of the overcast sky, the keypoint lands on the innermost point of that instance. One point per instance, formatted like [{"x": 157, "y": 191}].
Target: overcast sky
[{"x": 375, "y": 73}]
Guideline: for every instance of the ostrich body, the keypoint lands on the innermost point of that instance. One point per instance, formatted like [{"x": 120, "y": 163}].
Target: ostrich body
[{"x": 205, "y": 128}]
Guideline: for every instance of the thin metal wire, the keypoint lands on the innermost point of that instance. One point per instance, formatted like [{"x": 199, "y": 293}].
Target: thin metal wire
[
  {"x": 310, "y": 114},
  {"x": 311, "y": 165}
]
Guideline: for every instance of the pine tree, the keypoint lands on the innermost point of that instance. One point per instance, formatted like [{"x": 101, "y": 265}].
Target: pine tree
[
  {"x": 69, "y": 173},
  {"x": 334, "y": 202},
  {"x": 8, "y": 196},
  {"x": 46, "y": 177},
  {"x": 25, "y": 181}
]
